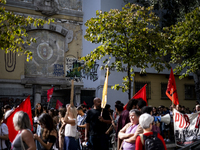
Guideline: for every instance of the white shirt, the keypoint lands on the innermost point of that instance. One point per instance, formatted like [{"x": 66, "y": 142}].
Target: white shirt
[
  {"x": 3, "y": 131},
  {"x": 80, "y": 118},
  {"x": 71, "y": 130}
]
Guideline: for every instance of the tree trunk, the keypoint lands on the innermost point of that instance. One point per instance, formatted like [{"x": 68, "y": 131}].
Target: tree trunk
[{"x": 197, "y": 84}]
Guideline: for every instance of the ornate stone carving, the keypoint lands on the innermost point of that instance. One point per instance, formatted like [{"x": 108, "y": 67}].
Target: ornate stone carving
[
  {"x": 47, "y": 7},
  {"x": 68, "y": 34}
]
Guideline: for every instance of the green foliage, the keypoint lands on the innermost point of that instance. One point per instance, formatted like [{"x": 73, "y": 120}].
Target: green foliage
[
  {"x": 13, "y": 34},
  {"x": 171, "y": 11},
  {"x": 184, "y": 41},
  {"x": 132, "y": 36}
]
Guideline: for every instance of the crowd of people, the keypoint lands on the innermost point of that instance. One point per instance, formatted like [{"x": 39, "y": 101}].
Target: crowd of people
[{"x": 80, "y": 128}]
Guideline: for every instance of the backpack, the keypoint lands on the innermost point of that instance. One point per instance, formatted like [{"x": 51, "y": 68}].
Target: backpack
[{"x": 152, "y": 142}]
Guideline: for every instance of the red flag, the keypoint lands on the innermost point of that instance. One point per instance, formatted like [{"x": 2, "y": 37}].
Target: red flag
[
  {"x": 49, "y": 94},
  {"x": 58, "y": 104},
  {"x": 84, "y": 103},
  {"x": 171, "y": 91},
  {"x": 25, "y": 106},
  {"x": 140, "y": 94}
]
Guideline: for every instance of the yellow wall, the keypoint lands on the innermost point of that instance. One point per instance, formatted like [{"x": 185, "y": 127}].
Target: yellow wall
[
  {"x": 75, "y": 50},
  {"x": 15, "y": 70},
  {"x": 156, "y": 80}
]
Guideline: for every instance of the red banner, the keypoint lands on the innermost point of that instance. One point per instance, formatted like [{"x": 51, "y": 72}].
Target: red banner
[
  {"x": 49, "y": 94},
  {"x": 140, "y": 94},
  {"x": 58, "y": 104},
  {"x": 171, "y": 91},
  {"x": 25, "y": 106}
]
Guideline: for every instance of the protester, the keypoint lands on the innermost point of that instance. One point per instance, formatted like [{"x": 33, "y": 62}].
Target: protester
[
  {"x": 84, "y": 107},
  {"x": 113, "y": 127},
  {"x": 96, "y": 126},
  {"x": 130, "y": 130},
  {"x": 81, "y": 124},
  {"x": 146, "y": 121},
  {"x": 107, "y": 107},
  {"x": 3, "y": 132},
  {"x": 119, "y": 110},
  {"x": 6, "y": 108},
  {"x": 70, "y": 128},
  {"x": 51, "y": 112},
  {"x": 24, "y": 138},
  {"x": 149, "y": 110},
  {"x": 49, "y": 134},
  {"x": 178, "y": 108},
  {"x": 155, "y": 112},
  {"x": 141, "y": 103},
  {"x": 166, "y": 127},
  {"x": 197, "y": 108},
  {"x": 115, "y": 114},
  {"x": 38, "y": 112},
  {"x": 45, "y": 110},
  {"x": 61, "y": 133},
  {"x": 124, "y": 118}
]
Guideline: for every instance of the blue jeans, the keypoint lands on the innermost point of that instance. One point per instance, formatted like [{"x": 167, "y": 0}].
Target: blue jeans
[{"x": 99, "y": 142}]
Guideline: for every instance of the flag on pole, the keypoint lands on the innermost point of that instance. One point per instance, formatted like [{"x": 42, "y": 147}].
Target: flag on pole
[
  {"x": 58, "y": 104},
  {"x": 140, "y": 94},
  {"x": 84, "y": 103},
  {"x": 25, "y": 106},
  {"x": 49, "y": 94},
  {"x": 104, "y": 93},
  {"x": 171, "y": 91}
]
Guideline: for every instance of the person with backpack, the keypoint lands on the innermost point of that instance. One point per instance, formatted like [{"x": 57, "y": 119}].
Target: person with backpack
[{"x": 149, "y": 140}]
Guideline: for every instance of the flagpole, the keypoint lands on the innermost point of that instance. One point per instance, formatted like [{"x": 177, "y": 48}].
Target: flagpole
[
  {"x": 72, "y": 93},
  {"x": 48, "y": 103}
]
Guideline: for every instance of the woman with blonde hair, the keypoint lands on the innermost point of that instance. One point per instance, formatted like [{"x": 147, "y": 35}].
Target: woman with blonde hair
[
  {"x": 24, "y": 138},
  {"x": 70, "y": 128}
]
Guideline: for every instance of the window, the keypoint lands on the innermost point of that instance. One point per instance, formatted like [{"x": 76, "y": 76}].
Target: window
[
  {"x": 163, "y": 91},
  {"x": 139, "y": 85},
  {"x": 190, "y": 92}
]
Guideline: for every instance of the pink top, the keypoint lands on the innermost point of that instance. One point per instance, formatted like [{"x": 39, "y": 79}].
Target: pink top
[{"x": 126, "y": 145}]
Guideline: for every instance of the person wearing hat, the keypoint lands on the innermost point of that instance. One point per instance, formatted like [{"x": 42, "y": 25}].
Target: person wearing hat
[{"x": 146, "y": 122}]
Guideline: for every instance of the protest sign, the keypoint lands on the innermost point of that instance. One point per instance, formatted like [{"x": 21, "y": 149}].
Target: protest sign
[{"x": 186, "y": 128}]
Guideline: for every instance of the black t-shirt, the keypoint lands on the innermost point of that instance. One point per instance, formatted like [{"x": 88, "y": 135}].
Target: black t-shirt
[{"x": 96, "y": 126}]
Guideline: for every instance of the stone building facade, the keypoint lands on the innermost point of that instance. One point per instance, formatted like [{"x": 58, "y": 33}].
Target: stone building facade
[{"x": 58, "y": 45}]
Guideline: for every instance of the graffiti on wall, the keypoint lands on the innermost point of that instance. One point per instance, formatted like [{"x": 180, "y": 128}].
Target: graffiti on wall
[
  {"x": 10, "y": 61},
  {"x": 58, "y": 70},
  {"x": 72, "y": 71},
  {"x": 92, "y": 74}
]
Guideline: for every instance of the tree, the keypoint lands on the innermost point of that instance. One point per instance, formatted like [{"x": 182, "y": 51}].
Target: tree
[
  {"x": 13, "y": 33},
  {"x": 170, "y": 11},
  {"x": 132, "y": 36},
  {"x": 183, "y": 37},
  {"x": 184, "y": 41}
]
